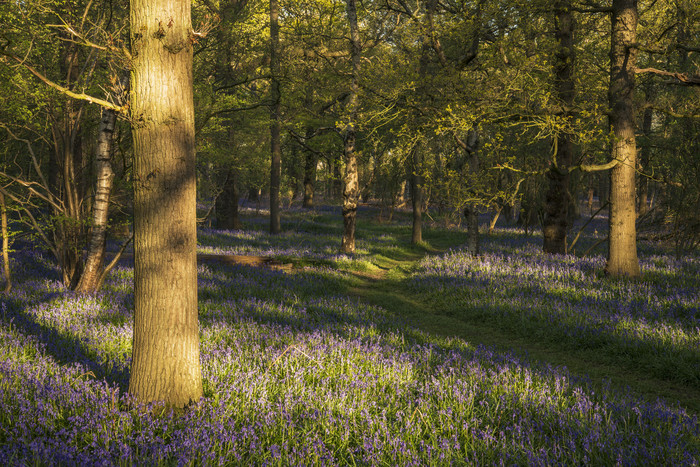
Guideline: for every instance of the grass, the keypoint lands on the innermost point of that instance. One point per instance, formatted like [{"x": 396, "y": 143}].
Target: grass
[{"x": 400, "y": 355}]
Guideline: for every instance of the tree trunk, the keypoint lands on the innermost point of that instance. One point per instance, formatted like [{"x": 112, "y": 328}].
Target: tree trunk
[
  {"x": 351, "y": 178},
  {"x": 227, "y": 204},
  {"x": 90, "y": 280},
  {"x": 165, "y": 360},
  {"x": 5, "y": 245},
  {"x": 417, "y": 195},
  {"x": 557, "y": 197},
  {"x": 644, "y": 162},
  {"x": 275, "y": 126},
  {"x": 310, "y": 162},
  {"x": 622, "y": 245}
]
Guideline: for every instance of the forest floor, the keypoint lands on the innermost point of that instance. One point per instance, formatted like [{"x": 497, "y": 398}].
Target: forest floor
[{"x": 384, "y": 289}]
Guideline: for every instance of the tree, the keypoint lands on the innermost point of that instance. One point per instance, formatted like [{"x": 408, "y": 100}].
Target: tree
[
  {"x": 622, "y": 246},
  {"x": 275, "y": 124},
  {"x": 350, "y": 178},
  {"x": 557, "y": 197},
  {"x": 165, "y": 361}
]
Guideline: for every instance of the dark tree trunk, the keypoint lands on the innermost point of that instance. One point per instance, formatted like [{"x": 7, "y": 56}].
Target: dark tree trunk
[
  {"x": 165, "y": 362},
  {"x": 644, "y": 162},
  {"x": 275, "y": 126},
  {"x": 7, "y": 276},
  {"x": 351, "y": 179},
  {"x": 417, "y": 195},
  {"x": 557, "y": 197},
  {"x": 90, "y": 280},
  {"x": 227, "y": 204},
  {"x": 310, "y": 162},
  {"x": 622, "y": 245}
]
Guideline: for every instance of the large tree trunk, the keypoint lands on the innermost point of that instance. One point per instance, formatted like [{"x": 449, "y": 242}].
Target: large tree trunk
[
  {"x": 275, "y": 146},
  {"x": 557, "y": 197},
  {"x": 471, "y": 212},
  {"x": 622, "y": 246},
  {"x": 90, "y": 280},
  {"x": 351, "y": 178},
  {"x": 165, "y": 361},
  {"x": 7, "y": 276},
  {"x": 227, "y": 204}
]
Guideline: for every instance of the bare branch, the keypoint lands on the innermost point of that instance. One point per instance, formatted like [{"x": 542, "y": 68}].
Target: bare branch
[{"x": 66, "y": 91}]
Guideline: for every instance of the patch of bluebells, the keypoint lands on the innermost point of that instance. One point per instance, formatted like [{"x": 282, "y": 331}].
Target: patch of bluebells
[
  {"x": 654, "y": 321},
  {"x": 297, "y": 374}
]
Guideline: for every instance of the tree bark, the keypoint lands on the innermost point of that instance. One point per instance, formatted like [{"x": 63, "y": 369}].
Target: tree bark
[
  {"x": 227, "y": 204},
  {"x": 275, "y": 125},
  {"x": 351, "y": 178},
  {"x": 622, "y": 246},
  {"x": 556, "y": 206},
  {"x": 165, "y": 360},
  {"x": 310, "y": 163},
  {"x": 5, "y": 245},
  {"x": 645, "y": 156},
  {"x": 417, "y": 195},
  {"x": 94, "y": 264}
]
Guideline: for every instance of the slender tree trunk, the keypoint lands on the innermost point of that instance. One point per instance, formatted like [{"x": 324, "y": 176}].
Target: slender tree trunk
[
  {"x": 622, "y": 245},
  {"x": 165, "y": 361},
  {"x": 644, "y": 162},
  {"x": 471, "y": 212},
  {"x": 310, "y": 163},
  {"x": 351, "y": 178},
  {"x": 275, "y": 125},
  {"x": 5, "y": 245},
  {"x": 94, "y": 264},
  {"x": 417, "y": 195},
  {"x": 227, "y": 204},
  {"x": 556, "y": 206}
]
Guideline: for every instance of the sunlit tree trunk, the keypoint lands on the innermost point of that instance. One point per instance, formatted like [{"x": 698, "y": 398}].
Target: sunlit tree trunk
[
  {"x": 94, "y": 263},
  {"x": 557, "y": 197},
  {"x": 165, "y": 360},
  {"x": 351, "y": 178},
  {"x": 622, "y": 246},
  {"x": 5, "y": 245},
  {"x": 275, "y": 146}
]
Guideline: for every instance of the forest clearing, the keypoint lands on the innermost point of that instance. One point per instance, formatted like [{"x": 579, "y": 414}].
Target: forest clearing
[{"x": 400, "y": 355}]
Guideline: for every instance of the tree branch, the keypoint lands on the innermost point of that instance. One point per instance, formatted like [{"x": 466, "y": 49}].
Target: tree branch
[{"x": 66, "y": 91}]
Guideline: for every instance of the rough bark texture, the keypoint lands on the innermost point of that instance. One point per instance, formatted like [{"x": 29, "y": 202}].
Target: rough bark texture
[
  {"x": 227, "y": 204},
  {"x": 165, "y": 362},
  {"x": 94, "y": 263},
  {"x": 351, "y": 178},
  {"x": 644, "y": 162},
  {"x": 275, "y": 146},
  {"x": 622, "y": 246},
  {"x": 7, "y": 276},
  {"x": 557, "y": 197}
]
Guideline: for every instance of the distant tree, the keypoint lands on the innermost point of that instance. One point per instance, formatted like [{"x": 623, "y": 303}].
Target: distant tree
[
  {"x": 165, "y": 362},
  {"x": 275, "y": 120}
]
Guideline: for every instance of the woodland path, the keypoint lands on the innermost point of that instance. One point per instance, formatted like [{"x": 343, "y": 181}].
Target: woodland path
[{"x": 385, "y": 289}]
